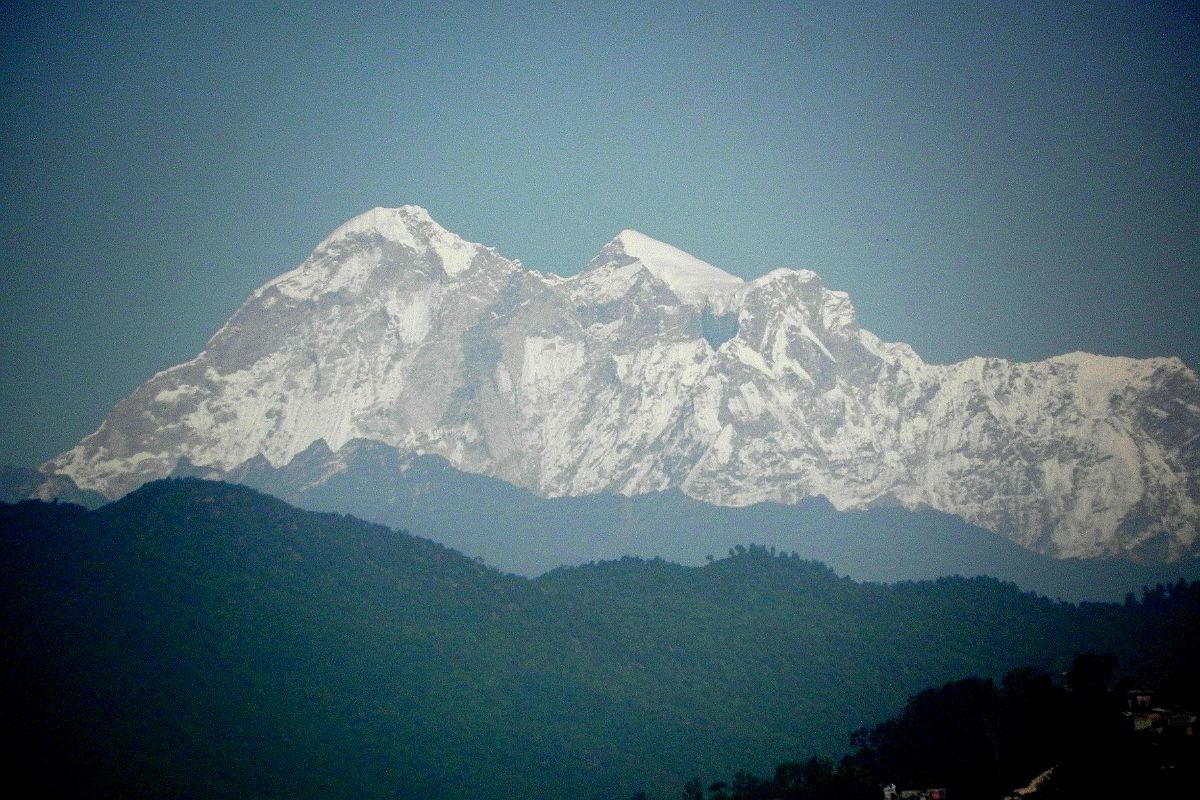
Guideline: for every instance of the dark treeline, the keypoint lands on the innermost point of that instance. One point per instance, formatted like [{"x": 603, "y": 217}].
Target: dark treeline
[{"x": 981, "y": 740}]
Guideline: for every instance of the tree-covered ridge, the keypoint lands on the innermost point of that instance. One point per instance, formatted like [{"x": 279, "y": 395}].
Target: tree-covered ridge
[
  {"x": 200, "y": 639},
  {"x": 1077, "y": 736}
]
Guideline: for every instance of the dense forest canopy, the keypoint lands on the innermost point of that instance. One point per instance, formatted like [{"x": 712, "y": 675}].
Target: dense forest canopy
[
  {"x": 201, "y": 639},
  {"x": 1079, "y": 735}
]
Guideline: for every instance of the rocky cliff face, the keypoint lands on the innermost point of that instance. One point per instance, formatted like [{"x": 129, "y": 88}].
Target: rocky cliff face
[{"x": 652, "y": 370}]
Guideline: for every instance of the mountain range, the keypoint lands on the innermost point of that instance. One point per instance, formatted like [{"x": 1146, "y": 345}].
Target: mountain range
[{"x": 651, "y": 371}]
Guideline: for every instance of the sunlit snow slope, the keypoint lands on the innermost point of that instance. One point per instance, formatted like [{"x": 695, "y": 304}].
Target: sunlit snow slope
[{"x": 652, "y": 370}]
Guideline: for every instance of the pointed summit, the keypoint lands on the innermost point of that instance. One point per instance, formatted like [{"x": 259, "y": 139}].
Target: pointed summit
[
  {"x": 409, "y": 225},
  {"x": 390, "y": 223},
  {"x": 694, "y": 281},
  {"x": 349, "y": 255}
]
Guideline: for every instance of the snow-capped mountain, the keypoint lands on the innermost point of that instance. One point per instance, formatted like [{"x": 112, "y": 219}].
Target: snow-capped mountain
[{"x": 652, "y": 370}]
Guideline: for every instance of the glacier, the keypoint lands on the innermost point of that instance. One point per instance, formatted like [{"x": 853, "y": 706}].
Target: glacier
[{"x": 397, "y": 331}]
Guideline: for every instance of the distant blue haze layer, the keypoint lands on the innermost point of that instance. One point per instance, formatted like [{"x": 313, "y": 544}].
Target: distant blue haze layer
[{"x": 516, "y": 531}]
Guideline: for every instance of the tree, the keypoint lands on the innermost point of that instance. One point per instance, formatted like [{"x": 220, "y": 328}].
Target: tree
[
  {"x": 1090, "y": 674},
  {"x": 717, "y": 791}
]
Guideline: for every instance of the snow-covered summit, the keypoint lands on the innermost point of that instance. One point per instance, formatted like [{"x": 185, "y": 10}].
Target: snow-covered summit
[
  {"x": 693, "y": 281},
  {"x": 403, "y": 224},
  {"x": 411, "y": 226},
  {"x": 351, "y": 255}
]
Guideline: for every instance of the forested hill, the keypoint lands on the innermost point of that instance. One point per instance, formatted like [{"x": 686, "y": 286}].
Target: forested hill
[{"x": 201, "y": 639}]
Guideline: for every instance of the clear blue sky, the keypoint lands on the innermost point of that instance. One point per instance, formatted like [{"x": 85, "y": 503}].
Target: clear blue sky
[{"x": 1011, "y": 179}]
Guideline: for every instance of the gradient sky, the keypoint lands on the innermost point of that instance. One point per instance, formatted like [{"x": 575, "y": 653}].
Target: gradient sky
[{"x": 1009, "y": 179}]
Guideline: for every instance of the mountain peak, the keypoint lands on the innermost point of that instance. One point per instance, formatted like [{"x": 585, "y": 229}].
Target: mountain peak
[
  {"x": 694, "y": 281},
  {"x": 413, "y": 227},
  {"x": 349, "y": 255},
  {"x": 394, "y": 224}
]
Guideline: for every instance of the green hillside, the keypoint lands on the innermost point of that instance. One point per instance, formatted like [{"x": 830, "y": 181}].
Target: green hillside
[{"x": 199, "y": 639}]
